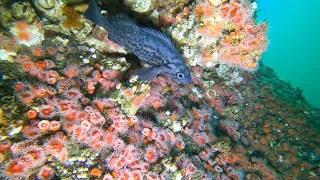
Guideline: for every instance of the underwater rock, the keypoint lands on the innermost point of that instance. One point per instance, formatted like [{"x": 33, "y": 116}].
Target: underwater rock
[
  {"x": 58, "y": 29},
  {"x": 28, "y": 35},
  {"x": 140, "y": 6},
  {"x": 81, "y": 7},
  {"x": 72, "y": 25},
  {"x": 45, "y": 4},
  {"x": 160, "y": 12},
  {"x": 23, "y": 11},
  {"x": 8, "y": 71},
  {"x": 171, "y": 7},
  {"x": 19, "y": 11},
  {"x": 3, "y": 121},
  {"x": 79, "y": 162},
  {"x": 217, "y": 2},
  {"x": 50, "y": 9},
  {"x": 154, "y": 17},
  {"x": 212, "y": 35},
  {"x": 74, "y": 2},
  {"x": 7, "y": 55},
  {"x": 10, "y": 116},
  {"x": 6, "y": 18},
  {"x": 5, "y": 2},
  {"x": 72, "y": 19},
  {"x": 227, "y": 123}
]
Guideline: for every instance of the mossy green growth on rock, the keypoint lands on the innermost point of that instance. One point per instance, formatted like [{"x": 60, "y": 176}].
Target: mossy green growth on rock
[
  {"x": 9, "y": 73},
  {"x": 18, "y": 11}
]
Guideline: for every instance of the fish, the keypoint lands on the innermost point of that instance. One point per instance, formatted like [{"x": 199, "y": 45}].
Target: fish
[{"x": 149, "y": 45}]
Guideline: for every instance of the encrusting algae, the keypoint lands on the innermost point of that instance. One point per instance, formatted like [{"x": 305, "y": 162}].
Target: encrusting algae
[
  {"x": 72, "y": 18},
  {"x": 79, "y": 113},
  {"x": 3, "y": 121}
]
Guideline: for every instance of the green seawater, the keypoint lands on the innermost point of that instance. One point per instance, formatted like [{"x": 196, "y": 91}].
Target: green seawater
[{"x": 294, "y": 50}]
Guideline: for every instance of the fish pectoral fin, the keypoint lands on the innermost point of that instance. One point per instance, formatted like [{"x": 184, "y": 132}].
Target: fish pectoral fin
[{"x": 147, "y": 74}]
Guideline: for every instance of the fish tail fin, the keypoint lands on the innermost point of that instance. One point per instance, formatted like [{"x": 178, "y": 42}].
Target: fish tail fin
[{"x": 93, "y": 14}]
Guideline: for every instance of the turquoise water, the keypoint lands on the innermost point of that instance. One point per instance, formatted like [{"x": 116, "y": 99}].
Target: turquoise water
[{"x": 294, "y": 50}]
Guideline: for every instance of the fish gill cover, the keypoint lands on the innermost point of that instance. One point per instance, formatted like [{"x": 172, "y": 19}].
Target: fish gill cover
[{"x": 71, "y": 107}]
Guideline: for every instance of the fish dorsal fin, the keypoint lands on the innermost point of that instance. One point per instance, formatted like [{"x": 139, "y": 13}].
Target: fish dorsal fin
[
  {"x": 120, "y": 17},
  {"x": 158, "y": 34}
]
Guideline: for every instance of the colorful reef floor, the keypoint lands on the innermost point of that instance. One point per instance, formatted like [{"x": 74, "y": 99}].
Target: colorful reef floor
[{"x": 71, "y": 107}]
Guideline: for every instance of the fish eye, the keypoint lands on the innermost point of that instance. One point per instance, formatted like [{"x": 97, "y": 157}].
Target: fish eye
[{"x": 180, "y": 75}]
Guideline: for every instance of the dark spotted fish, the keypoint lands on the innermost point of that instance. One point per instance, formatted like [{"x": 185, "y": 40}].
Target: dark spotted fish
[{"x": 151, "y": 46}]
